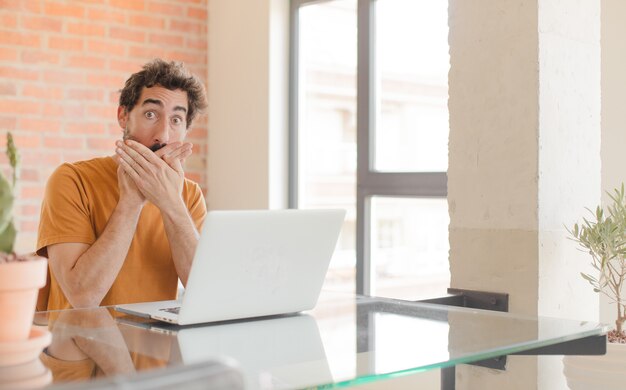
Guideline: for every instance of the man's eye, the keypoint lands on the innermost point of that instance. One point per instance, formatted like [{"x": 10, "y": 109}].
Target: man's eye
[
  {"x": 177, "y": 121},
  {"x": 150, "y": 115}
]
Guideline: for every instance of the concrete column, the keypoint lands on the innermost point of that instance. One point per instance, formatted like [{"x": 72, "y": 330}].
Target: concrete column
[
  {"x": 247, "y": 92},
  {"x": 524, "y": 160},
  {"x": 613, "y": 112}
]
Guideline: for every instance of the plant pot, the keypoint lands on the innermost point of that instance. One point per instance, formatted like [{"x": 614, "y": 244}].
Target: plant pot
[
  {"x": 20, "y": 282},
  {"x": 597, "y": 372}
]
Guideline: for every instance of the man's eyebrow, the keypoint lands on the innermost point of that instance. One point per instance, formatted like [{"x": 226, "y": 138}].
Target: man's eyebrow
[
  {"x": 153, "y": 101},
  {"x": 160, "y": 104}
]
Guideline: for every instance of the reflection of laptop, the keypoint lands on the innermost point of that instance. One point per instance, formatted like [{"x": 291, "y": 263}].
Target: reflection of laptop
[
  {"x": 252, "y": 264},
  {"x": 281, "y": 352}
]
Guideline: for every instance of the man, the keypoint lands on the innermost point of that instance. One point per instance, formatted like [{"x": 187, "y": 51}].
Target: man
[{"x": 124, "y": 228}]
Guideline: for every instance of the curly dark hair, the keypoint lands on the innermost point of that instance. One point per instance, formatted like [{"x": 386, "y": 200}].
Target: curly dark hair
[{"x": 171, "y": 75}]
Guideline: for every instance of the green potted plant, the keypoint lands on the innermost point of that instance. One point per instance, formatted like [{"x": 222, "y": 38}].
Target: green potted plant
[
  {"x": 604, "y": 237},
  {"x": 21, "y": 276}
]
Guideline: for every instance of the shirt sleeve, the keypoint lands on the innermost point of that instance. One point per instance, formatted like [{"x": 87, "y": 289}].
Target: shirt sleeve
[
  {"x": 65, "y": 211},
  {"x": 196, "y": 204}
]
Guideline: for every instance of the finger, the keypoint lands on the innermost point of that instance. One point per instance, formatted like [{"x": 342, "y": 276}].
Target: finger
[
  {"x": 175, "y": 163},
  {"x": 169, "y": 148},
  {"x": 141, "y": 154},
  {"x": 179, "y": 154},
  {"x": 130, "y": 171},
  {"x": 175, "y": 151},
  {"x": 124, "y": 156}
]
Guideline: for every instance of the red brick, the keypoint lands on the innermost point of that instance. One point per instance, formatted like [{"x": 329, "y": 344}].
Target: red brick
[
  {"x": 167, "y": 39},
  {"x": 8, "y": 21},
  {"x": 65, "y": 43},
  {"x": 147, "y": 21},
  {"x": 83, "y": 29},
  {"x": 114, "y": 97},
  {"x": 19, "y": 39},
  {"x": 107, "y": 144},
  {"x": 62, "y": 76},
  {"x": 85, "y": 94},
  {"x": 32, "y": 192},
  {"x": 29, "y": 174},
  {"x": 64, "y": 9},
  {"x": 40, "y": 125},
  {"x": 64, "y": 110},
  {"x": 29, "y": 209},
  {"x": 19, "y": 73},
  {"x": 9, "y": 55},
  {"x": 145, "y": 53},
  {"x": 63, "y": 142},
  {"x": 127, "y": 67},
  {"x": 127, "y": 34},
  {"x": 41, "y": 159},
  {"x": 29, "y": 226},
  {"x": 40, "y": 23},
  {"x": 106, "y": 47},
  {"x": 186, "y": 57},
  {"x": 106, "y": 80},
  {"x": 114, "y": 129},
  {"x": 192, "y": 176},
  {"x": 106, "y": 15},
  {"x": 197, "y": 13},
  {"x": 189, "y": 27},
  {"x": 199, "y": 44},
  {"x": 137, "y": 5},
  {"x": 101, "y": 111},
  {"x": 7, "y": 122},
  {"x": 39, "y": 57},
  {"x": 88, "y": 62},
  {"x": 8, "y": 89},
  {"x": 80, "y": 156},
  {"x": 17, "y": 107},
  {"x": 47, "y": 92},
  {"x": 26, "y": 141},
  {"x": 166, "y": 8},
  {"x": 85, "y": 128}
]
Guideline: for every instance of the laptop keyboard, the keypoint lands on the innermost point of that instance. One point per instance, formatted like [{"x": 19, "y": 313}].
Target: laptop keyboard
[{"x": 173, "y": 310}]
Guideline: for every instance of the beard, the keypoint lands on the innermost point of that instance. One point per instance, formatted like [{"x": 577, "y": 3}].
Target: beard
[{"x": 154, "y": 147}]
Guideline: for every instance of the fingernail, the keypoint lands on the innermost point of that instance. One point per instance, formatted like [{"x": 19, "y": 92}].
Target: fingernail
[{"x": 118, "y": 151}]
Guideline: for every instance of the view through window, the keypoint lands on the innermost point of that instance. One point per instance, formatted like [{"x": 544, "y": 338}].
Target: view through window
[{"x": 409, "y": 235}]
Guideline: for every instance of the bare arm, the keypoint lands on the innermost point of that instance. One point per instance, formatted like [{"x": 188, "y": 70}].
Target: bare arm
[
  {"x": 183, "y": 238},
  {"x": 87, "y": 272}
]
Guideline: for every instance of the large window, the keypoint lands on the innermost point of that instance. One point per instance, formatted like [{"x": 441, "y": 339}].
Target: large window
[{"x": 369, "y": 129}]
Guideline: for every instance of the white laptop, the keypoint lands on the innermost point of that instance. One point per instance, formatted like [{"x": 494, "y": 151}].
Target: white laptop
[{"x": 252, "y": 264}]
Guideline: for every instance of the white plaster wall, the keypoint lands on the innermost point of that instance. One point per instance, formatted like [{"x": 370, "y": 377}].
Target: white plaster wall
[
  {"x": 247, "y": 93},
  {"x": 613, "y": 110}
]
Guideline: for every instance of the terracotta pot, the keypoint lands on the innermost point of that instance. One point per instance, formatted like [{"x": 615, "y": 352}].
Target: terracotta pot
[
  {"x": 19, "y": 283},
  {"x": 604, "y": 372}
]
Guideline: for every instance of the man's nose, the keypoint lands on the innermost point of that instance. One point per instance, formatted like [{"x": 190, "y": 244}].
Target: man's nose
[{"x": 162, "y": 134}]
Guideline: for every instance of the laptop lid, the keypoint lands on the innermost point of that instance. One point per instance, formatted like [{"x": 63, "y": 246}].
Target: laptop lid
[{"x": 259, "y": 263}]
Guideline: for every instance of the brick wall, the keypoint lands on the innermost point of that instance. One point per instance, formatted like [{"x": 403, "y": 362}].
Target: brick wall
[{"x": 62, "y": 63}]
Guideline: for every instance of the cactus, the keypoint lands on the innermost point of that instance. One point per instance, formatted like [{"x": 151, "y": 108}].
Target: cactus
[{"x": 7, "y": 198}]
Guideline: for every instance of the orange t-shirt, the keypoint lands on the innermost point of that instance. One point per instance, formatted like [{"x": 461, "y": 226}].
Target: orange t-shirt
[{"x": 79, "y": 200}]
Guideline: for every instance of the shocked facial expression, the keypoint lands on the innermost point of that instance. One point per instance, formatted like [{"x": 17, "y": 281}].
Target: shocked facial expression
[{"x": 158, "y": 118}]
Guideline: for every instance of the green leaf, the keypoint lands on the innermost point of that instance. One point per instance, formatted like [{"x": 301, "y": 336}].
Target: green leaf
[{"x": 7, "y": 238}]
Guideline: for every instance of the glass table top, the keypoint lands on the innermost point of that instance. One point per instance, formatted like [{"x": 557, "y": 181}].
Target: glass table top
[{"x": 345, "y": 340}]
